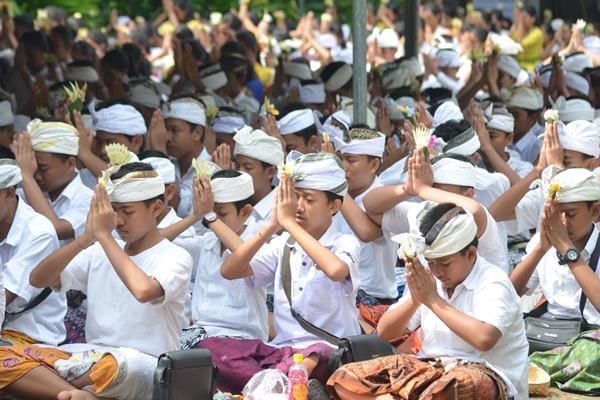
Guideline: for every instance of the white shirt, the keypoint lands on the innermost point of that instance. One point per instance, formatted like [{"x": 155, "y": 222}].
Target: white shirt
[
  {"x": 188, "y": 240},
  {"x": 377, "y": 263},
  {"x": 88, "y": 179},
  {"x": 489, "y": 186},
  {"x": 72, "y": 205},
  {"x": 487, "y": 295},
  {"x": 395, "y": 174},
  {"x": 559, "y": 284},
  {"x": 261, "y": 214},
  {"x": 114, "y": 317},
  {"x": 30, "y": 239},
  {"x": 247, "y": 104},
  {"x": 226, "y": 307},
  {"x": 185, "y": 182},
  {"x": 529, "y": 146},
  {"x": 327, "y": 304},
  {"x": 521, "y": 168},
  {"x": 528, "y": 211}
]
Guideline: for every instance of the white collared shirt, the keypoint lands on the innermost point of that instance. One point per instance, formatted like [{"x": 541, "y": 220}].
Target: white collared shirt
[
  {"x": 114, "y": 317},
  {"x": 185, "y": 182},
  {"x": 226, "y": 307},
  {"x": 487, "y": 295},
  {"x": 30, "y": 239},
  {"x": 559, "y": 285},
  {"x": 377, "y": 263},
  {"x": 529, "y": 146},
  {"x": 72, "y": 205},
  {"x": 247, "y": 104},
  {"x": 327, "y": 304},
  {"x": 489, "y": 186},
  {"x": 261, "y": 214},
  {"x": 188, "y": 240},
  {"x": 528, "y": 211}
]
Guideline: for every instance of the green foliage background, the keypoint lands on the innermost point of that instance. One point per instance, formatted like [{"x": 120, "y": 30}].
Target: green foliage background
[{"x": 97, "y": 12}]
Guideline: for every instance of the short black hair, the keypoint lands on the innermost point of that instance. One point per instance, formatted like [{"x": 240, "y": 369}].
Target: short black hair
[
  {"x": 152, "y": 153},
  {"x": 232, "y": 173},
  {"x": 5, "y": 152},
  {"x": 36, "y": 39},
  {"x": 529, "y": 9},
  {"x": 84, "y": 48},
  {"x": 137, "y": 167},
  {"x": 64, "y": 33},
  {"x": 331, "y": 197},
  {"x": 116, "y": 59},
  {"x": 451, "y": 129},
  {"x": 433, "y": 215},
  {"x": 232, "y": 21},
  {"x": 330, "y": 69}
]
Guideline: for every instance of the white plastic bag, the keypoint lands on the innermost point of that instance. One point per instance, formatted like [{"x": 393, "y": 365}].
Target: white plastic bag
[{"x": 269, "y": 384}]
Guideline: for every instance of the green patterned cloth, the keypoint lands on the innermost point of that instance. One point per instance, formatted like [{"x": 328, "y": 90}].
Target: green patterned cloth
[{"x": 576, "y": 367}]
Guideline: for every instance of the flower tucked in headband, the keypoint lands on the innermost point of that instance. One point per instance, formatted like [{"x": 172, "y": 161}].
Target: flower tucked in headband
[
  {"x": 117, "y": 154},
  {"x": 285, "y": 169},
  {"x": 552, "y": 190},
  {"x": 270, "y": 108}
]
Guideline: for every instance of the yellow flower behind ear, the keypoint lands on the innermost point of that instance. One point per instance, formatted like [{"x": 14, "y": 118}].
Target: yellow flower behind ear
[
  {"x": 285, "y": 169},
  {"x": 326, "y": 138},
  {"x": 117, "y": 154}
]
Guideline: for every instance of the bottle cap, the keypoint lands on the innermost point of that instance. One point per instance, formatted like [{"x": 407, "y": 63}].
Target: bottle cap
[{"x": 298, "y": 358}]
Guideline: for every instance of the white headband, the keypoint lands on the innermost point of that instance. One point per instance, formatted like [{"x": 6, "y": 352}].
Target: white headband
[
  {"x": 296, "y": 121},
  {"x": 10, "y": 174},
  {"x": 53, "y": 137},
  {"x": 388, "y": 39},
  {"x": 571, "y": 185},
  {"x": 510, "y": 65},
  {"x": 577, "y": 62},
  {"x": 448, "y": 171},
  {"x": 312, "y": 94},
  {"x": 213, "y": 77},
  {"x": 465, "y": 144},
  {"x": 135, "y": 186},
  {"x": 121, "y": 119},
  {"x": 258, "y": 145},
  {"x": 82, "y": 74},
  {"x": 318, "y": 171},
  {"x": 448, "y": 58},
  {"x": 457, "y": 233},
  {"x": 504, "y": 123},
  {"x": 577, "y": 82},
  {"x": 164, "y": 167},
  {"x": 228, "y": 124},
  {"x": 230, "y": 190},
  {"x": 339, "y": 78},
  {"x": 298, "y": 70},
  {"x": 361, "y": 142},
  {"x": 581, "y": 136},
  {"x": 448, "y": 111},
  {"x": 144, "y": 94},
  {"x": 574, "y": 109},
  {"x": 186, "y": 109},
  {"x": 526, "y": 98}
]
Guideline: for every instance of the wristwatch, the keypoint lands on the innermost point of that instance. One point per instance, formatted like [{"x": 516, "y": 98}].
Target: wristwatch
[
  {"x": 209, "y": 218},
  {"x": 570, "y": 256}
]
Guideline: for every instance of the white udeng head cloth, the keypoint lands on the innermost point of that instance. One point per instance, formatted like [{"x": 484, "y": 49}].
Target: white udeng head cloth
[
  {"x": 258, "y": 145},
  {"x": 526, "y": 98},
  {"x": 6, "y": 115},
  {"x": 186, "y": 109},
  {"x": 121, "y": 119},
  {"x": 465, "y": 144},
  {"x": 454, "y": 231},
  {"x": 447, "y": 111},
  {"x": 296, "y": 121},
  {"x": 448, "y": 171},
  {"x": 230, "y": 190},
  {"x": 501, "y": 122},
  {"x": 135, "y": 186},
  {"x": 10, "y": 174},
  {"x": 574, "y": 185},
  {"x": 580, "y": 136},
  {"x": 164, "y": 167},
  {"x": 361, "y": 142},
  {"x": 318, "y": 171},
  {"x": 53, "y": 137}
]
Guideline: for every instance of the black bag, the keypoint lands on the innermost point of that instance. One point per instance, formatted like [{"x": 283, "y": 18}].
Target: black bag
[
  {"x": 351, "y": 349},
  {"x": 184, "y": 375},
  {"x": 546, "y": 334}
]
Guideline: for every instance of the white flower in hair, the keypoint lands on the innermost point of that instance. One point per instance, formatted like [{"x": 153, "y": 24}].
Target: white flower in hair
[
  {"x": 551, "y": 116},
  {"x": 410, "y": 245},
  {"x": 285, "y": 169},
  {"x": 580, "y": 24}
]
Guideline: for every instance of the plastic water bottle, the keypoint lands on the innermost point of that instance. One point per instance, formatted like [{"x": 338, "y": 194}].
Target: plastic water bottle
[{"x": 298, "y": 377}]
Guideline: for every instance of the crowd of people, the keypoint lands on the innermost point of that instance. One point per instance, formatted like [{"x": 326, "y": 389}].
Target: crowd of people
[{"x": 199, "y": 181}]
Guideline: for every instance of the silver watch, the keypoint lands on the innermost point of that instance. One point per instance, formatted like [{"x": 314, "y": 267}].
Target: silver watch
[{"x": 209, "y": 218}]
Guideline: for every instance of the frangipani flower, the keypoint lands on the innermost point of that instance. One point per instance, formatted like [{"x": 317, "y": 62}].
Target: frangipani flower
[
  {"x": 285, "y": 169},
  {"x": 551, "y": 116},
  {"x": 579, "y": 24}
]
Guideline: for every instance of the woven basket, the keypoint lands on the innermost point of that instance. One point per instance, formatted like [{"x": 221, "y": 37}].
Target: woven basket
[{"x": 539, "y": 381}]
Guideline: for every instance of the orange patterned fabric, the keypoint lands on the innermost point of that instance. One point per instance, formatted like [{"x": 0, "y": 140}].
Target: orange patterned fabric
[
  {"x": 104, "y": 372},
  {"x": 407, "y": 378},
  {"x": 17, "y": 338},
  {"x": 16, "y": 361}
]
